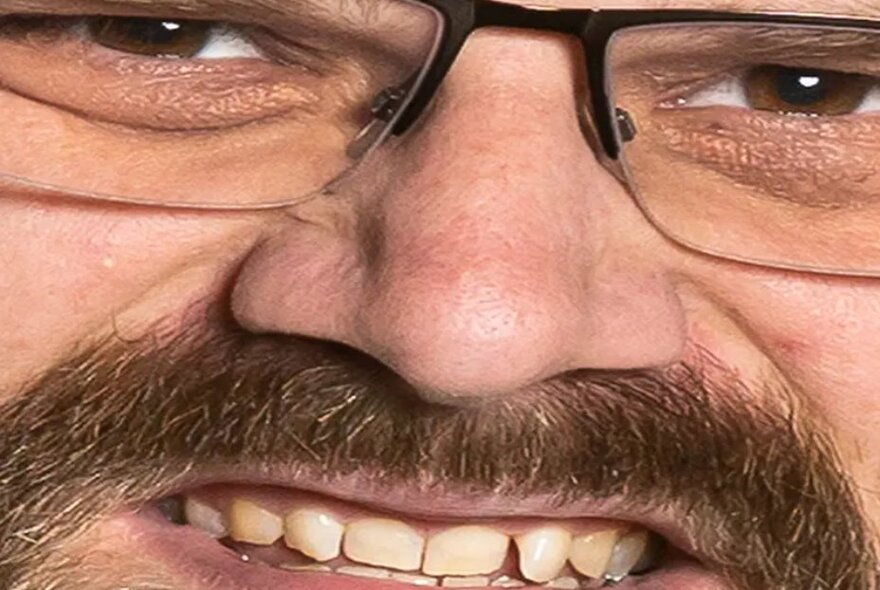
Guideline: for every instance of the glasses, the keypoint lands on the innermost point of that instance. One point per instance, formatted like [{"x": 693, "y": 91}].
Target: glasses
[{"x": 753, "y": 137}]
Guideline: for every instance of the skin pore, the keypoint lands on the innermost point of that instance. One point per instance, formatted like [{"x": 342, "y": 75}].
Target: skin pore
[{"x": 464, "y": 259}]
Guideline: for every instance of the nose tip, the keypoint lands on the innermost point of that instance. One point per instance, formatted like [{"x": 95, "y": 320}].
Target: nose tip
[{"x": 468, "y": 339}]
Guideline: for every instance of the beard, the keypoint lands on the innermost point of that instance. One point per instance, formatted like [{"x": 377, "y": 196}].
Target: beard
[{"x": 751, "y": 476}]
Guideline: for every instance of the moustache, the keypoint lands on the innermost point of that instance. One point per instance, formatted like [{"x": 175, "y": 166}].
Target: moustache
[{"x": 752, "y": 478}]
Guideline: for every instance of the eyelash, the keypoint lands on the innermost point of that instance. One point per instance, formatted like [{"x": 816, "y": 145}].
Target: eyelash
[
  {"x": 225, "y": 41},
  {"x": 730, "y": 92}
]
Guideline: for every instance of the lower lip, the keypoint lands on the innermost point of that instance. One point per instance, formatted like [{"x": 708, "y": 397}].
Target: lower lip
[{"x": 200, "y": 562}]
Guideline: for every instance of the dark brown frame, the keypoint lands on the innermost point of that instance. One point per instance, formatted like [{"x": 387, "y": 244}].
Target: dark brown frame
[{"x": 595, "y": 29}]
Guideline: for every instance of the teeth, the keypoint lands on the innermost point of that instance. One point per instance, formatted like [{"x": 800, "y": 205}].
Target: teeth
[
  {"x": 651, "y": 557},
  {"x": 205, "y": 518},
  {"x": 590, "y": 554},
  {"x": 415, "y": 580},
  {"x": 306, "y": 568},
  {"x": 315, "y": 534},
  {"x": 364, "y": 572},
  {"x": 543, "y": 553},
  {"x": 465, "y": 551},
  {"x": 383, "y": 542},
  {"x": 458, "y": 557},
  {"x": 249, "y": 523},
  {"x": 565, "y": 583},
  {"x": 468, "y": 582},
  {"x": 626, "y": 554}
]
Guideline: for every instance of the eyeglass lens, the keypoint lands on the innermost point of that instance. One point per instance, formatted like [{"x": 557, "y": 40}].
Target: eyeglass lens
[
  {"x": 185, "y": 111},
  {"x": 755, "y": 141}
]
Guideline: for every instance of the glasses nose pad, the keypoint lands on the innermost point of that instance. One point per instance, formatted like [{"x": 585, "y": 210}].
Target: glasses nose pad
[
  {"x": 626, "y": 126},
  {"x": 365, "y": 139},
  {"x": 383, "y": 110},
  {"x": 590, "y": 131}
]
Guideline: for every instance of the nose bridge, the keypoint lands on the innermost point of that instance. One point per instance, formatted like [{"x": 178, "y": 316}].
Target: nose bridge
[
  {"x": 489, "y": 232},
  {"x": 484, "y": 254},
  {"x": 462, "y": 20},
  {"x": 489, "y": 13}
]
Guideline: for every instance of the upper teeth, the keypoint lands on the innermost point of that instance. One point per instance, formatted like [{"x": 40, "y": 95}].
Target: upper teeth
[
  {"x": 543, "y": 553},
  {"x": 590, "y": 554},
  {"x": 459, "y": 551},
  {"x": 626, "y": 554},
  {"x": 385, "y": 543},
  {"x": 205, "y": 517},
  {"x": 465, "y": 551},
  {"x": 314, "y": 533},
  {"x": 252, "y": 523}
]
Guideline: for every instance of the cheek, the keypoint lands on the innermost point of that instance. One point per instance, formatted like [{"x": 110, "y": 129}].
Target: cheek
[
  {"x": 830, "y": 332},
  {"x": 823, "y": 335},
  {"x": 72, "y": 274}
]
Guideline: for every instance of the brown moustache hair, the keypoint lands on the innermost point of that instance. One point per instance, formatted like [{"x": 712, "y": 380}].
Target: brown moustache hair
[{"x": 754, "y": 480}]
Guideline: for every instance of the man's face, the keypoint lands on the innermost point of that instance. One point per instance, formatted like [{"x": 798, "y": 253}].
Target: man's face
[{"x": 475, "y": 362}]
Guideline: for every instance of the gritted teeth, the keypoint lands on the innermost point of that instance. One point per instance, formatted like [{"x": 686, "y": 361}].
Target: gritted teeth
[
  {"x": 465, "y": 551},
  {"x": 626, "y": 554},
  {"x": 564, "y": 583},
  {"x": 314, "y": 536},
  {"x": 385, "y": 543},
  {"x": 205, "y": 517},
  {"x": 543, "y": 553},
  {"x": 251, "y": 523},
  {"x": 590, "y": 554}
]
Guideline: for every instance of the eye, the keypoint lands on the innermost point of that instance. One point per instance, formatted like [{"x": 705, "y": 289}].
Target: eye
[
  {"x": 806, "y": 92},
  {"x": 794, "y": 91},
  {"x": 168, "y": 38}
]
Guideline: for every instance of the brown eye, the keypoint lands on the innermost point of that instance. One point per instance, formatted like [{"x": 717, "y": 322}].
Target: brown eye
[
  {"x": 806, "y": 91},
  {"x": 151, "y": 36}
]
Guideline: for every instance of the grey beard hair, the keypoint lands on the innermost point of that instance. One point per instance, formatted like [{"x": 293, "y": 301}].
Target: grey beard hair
[{"x": 753, "y": 479}]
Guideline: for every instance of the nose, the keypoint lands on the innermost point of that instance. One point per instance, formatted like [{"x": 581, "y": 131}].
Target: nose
[{"x": 485, "y": 252}]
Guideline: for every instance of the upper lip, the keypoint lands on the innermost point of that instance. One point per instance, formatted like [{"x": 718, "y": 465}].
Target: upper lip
[{"x": 429, "y": 500}]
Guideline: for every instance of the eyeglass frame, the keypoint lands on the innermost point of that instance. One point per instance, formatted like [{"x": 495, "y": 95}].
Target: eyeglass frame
[
  {"x": 594, "y": 27},
  {"x": 610, "y": 127},
  {"x": 607, "y": 128}
]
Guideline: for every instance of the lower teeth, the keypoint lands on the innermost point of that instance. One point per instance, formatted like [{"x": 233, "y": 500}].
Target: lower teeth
[{"x": 249, "y": 554}]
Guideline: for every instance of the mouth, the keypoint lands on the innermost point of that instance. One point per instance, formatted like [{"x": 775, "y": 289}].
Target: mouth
[
  {"x": 247, "y": 470},
  {"x": 349, "y": 534}
]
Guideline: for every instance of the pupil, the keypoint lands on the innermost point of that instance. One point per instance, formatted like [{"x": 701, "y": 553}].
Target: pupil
[
  {"x": 801, "y": 87},
  {"x": 155, "y": 32},
  {"x": 151, "y": 36}
]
